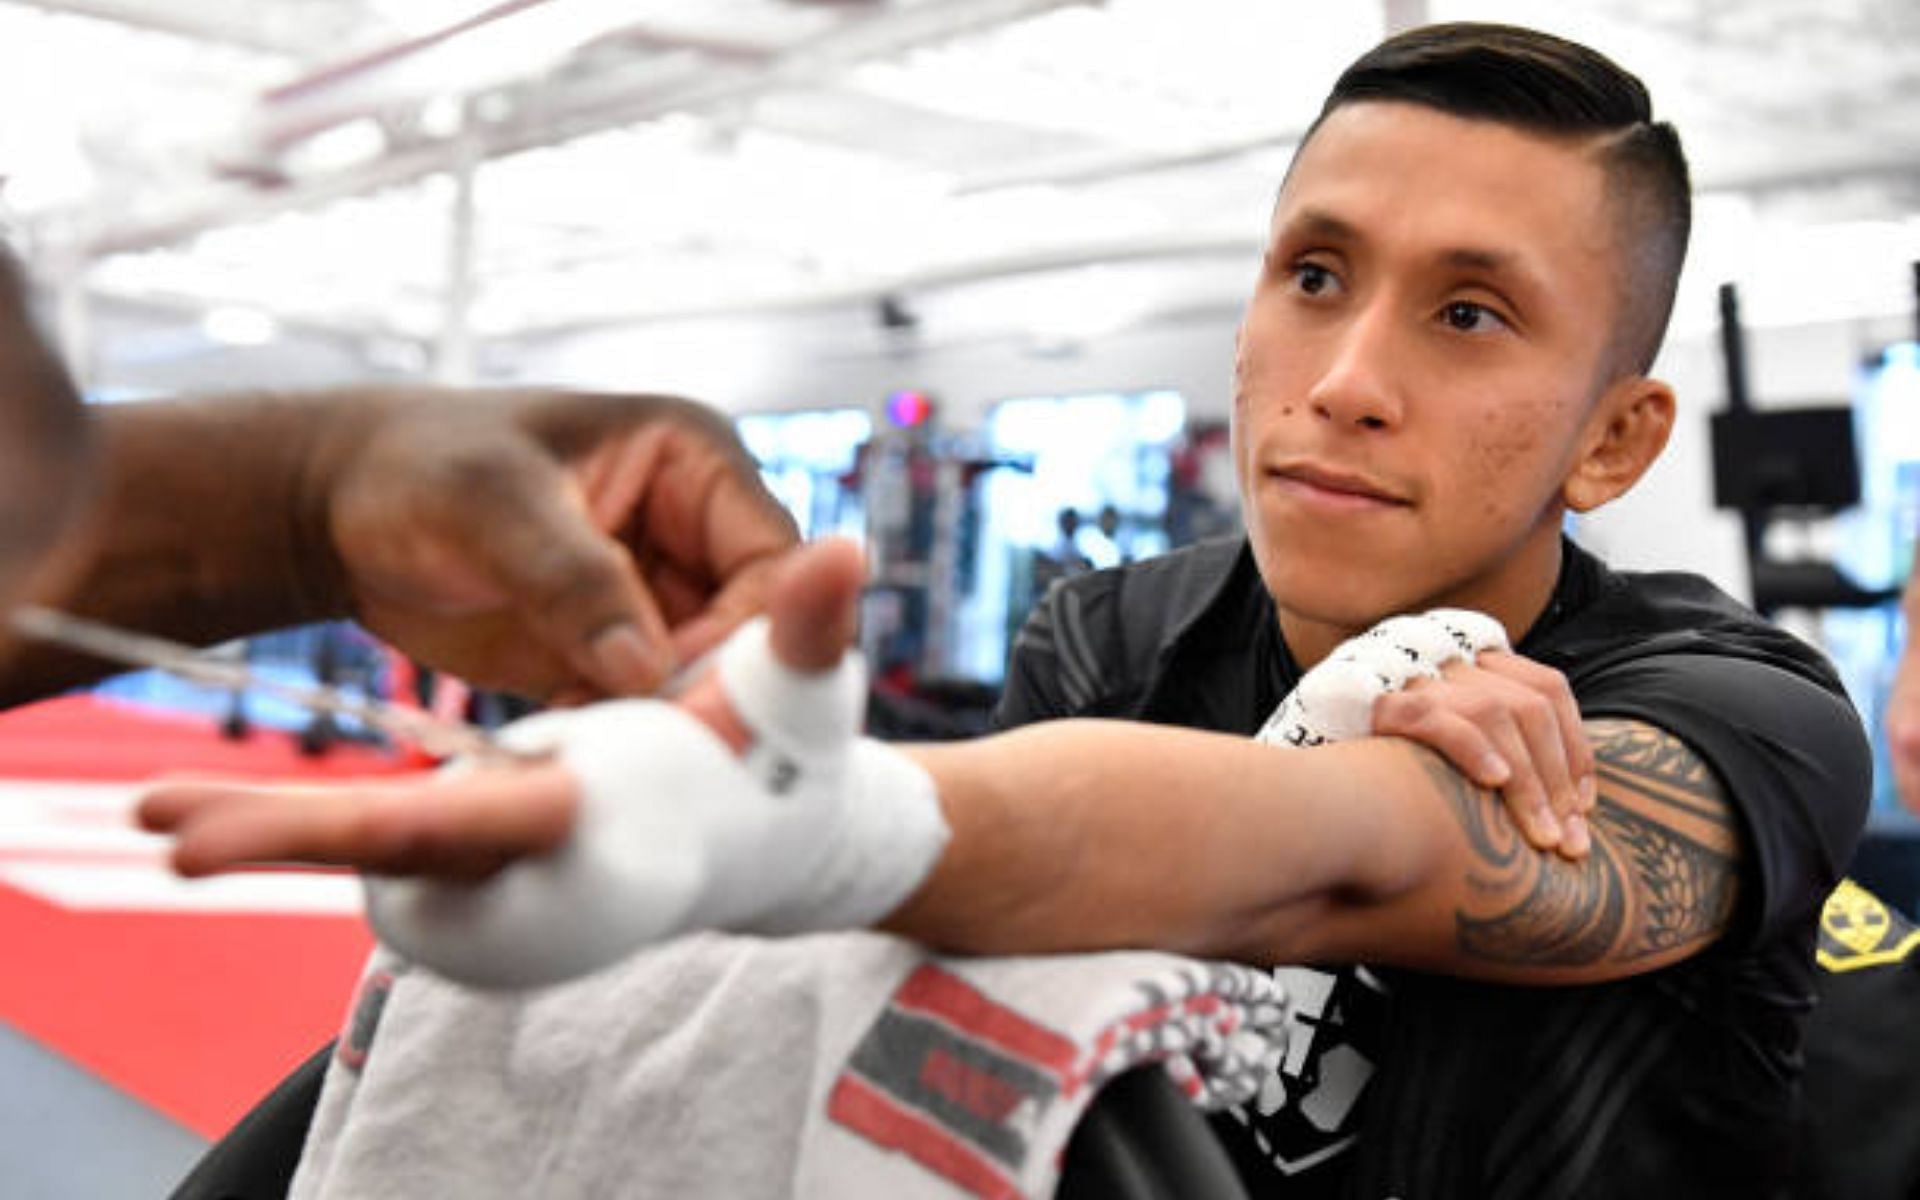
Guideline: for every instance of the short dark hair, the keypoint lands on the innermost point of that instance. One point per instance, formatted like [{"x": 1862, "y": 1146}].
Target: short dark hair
[{"x": 1544, "y": 84}]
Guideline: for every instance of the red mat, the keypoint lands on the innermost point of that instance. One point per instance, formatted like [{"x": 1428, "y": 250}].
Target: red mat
[
  {"x": 195, "y": 1011},
  {"x": 81, "y": 737}
]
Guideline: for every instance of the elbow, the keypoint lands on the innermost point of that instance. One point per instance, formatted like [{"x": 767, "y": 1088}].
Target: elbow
[
  {"x": 1304, "y": 929},
  {"x": 1379, "y": 895}
]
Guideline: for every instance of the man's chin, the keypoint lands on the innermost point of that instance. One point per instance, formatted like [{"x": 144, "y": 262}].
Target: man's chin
[{"x": 1345, "y": 592}]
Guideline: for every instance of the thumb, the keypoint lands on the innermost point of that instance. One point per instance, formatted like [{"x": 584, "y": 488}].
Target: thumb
[
  {"x": 815, "y": 607},
  {"x": 812, "y": 615},
  {"x": 577, "y": 588}
]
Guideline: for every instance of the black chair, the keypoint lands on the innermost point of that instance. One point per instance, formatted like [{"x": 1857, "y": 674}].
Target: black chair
[
  {"x": 255, "y": 1160},
  {"x": 1139, "y": 1140}
]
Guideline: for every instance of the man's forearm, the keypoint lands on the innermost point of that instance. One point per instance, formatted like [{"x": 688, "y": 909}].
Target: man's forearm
[
  {"x": 1081, "y": 835},
  {"x": 210, "y": 523},
  {"x": 1086, "y": 835}
]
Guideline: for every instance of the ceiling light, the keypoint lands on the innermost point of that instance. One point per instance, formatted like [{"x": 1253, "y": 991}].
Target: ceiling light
[{"x": 336, "y": 149}]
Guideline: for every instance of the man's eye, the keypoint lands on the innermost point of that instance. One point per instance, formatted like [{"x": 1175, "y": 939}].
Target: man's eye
[
  {"x": 1313, "y": 280},
  {"x": 1468, "y": 317}
]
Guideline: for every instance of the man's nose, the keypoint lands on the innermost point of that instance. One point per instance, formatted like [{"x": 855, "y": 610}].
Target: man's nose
[{"x": 1359, "y": 387}]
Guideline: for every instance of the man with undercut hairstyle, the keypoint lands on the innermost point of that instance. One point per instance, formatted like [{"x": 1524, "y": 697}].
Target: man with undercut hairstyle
[
  {"x": 1470, "y": 272},
  {"x": 1593, "y": 988}
]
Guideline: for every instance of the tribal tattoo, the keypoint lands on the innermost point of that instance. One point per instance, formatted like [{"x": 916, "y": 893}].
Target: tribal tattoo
[{"x": 1661, "y": 875}]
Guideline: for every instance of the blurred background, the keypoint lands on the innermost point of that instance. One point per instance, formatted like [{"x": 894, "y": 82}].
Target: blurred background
[{"x": 966, "y": 273}]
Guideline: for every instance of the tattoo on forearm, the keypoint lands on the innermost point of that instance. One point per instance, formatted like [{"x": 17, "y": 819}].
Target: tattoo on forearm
[{"x": 1660, "y": 876}]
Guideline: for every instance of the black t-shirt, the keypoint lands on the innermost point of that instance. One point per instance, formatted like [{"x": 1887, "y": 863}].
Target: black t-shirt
[{"x": 1678, "y": 1082}]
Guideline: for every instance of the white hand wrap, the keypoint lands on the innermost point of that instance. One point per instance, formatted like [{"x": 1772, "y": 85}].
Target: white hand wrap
[
  {"x": 816, "y": 828},
  {"x": 1334, "y": 701}
]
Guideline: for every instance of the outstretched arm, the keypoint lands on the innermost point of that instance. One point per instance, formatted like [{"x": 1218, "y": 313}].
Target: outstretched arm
[
  {"x": 1083, "y": 834},
  {"x": 1090, "y": 834}
]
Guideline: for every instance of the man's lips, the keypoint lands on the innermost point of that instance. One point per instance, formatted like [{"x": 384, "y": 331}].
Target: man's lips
[{"x": 1331, "y": 485}]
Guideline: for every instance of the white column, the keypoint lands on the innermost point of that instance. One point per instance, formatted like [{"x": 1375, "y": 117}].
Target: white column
[{"x": 453, "y": 365}]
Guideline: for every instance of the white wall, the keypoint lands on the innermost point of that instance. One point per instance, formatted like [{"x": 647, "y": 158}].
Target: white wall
[
  {"x": 1669, "y": 520},
  {"x": 842, "y": 358},
  {"x": 142, "y": 351}
]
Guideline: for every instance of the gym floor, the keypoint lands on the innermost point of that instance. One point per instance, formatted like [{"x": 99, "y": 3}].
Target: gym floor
[
  {"x": 141, "y": 1015},
  {"x": 67, "y": 1134}
]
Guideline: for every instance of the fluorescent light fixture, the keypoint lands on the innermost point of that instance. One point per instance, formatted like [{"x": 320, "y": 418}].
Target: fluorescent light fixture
[
  {"x": 335, "y": 149},
  {"x": 442, "y": 116}
]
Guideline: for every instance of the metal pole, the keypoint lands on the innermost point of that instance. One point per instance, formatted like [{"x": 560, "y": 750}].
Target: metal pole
[
  {"x": 1733, "y": 349},
  {"x": 1753, "y": 518}
]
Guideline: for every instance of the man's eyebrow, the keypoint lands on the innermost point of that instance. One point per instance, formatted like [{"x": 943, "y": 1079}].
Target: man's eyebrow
[
  {"x": 1319, "y": 223},
  {"x": 1505, "y": 265},
  {"x": 1474, "y": 258}
]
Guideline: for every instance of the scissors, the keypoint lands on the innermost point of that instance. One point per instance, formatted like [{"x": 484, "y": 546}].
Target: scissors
[{"x": 438, "y": 737}]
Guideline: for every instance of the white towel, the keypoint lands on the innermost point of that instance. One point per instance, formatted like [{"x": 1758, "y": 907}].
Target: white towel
[{"x": 850, "y": 1064}]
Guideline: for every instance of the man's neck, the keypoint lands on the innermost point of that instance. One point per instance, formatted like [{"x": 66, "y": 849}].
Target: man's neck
[{"x": 1516, "y": 599}]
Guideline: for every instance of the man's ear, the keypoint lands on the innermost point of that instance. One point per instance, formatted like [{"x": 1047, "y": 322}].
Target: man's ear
[{"x": 1627, "y": 431}]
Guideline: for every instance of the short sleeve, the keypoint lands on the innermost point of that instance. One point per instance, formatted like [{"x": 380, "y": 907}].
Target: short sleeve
[
  {"x": 1062, "y": 656},
  {"x": 1791, "y": 756}
]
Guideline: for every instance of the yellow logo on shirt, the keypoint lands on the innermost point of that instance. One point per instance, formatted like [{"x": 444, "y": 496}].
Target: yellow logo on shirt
[{"x": 1858, "y": 930}]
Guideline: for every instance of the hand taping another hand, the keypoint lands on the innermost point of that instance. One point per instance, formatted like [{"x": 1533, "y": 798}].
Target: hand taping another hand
[
  {"x": 566, "y": 546},
  {"x": 752, "y": 806}
]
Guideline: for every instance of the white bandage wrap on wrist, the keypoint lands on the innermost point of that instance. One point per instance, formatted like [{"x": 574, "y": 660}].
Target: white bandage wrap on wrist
[
  {"x": 1334, "y": 701},
  {"x": 814, "y": 829},
  {"x": 855, "y": 824}
]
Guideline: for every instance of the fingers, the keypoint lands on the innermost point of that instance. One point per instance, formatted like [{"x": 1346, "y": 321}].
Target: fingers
[
  {"x": 468, "y": 545},
  {"x": 577, "y": 587},
  {"x": 1484, "y": 742},
  {"x": 1416, "y": 713},
  {"x": 456, "y": 827},
  {"x": 1508, "y": 724},
  {"x": 690, "y": 508},
  {"x": 1574, "y": 768},
  {"x": 557, "y": 544},
  {"x": 723, "y": 532},
  {"x": 1551, "y": 686}
]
